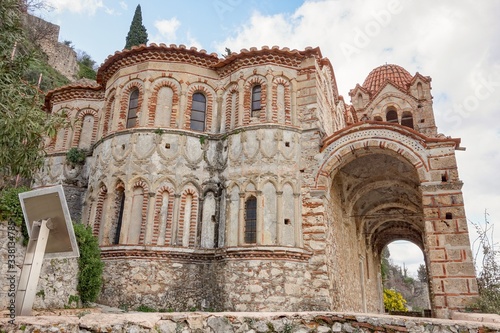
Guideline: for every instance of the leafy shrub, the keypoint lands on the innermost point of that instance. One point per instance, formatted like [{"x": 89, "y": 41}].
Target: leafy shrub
[
  {"x": 394, "y": 301},
  {"x": 10, "y": 208},
  {"x": 145, "y": 308},
  {"x": 76, "y": 156},
  {"x": 90, "y": 264}
]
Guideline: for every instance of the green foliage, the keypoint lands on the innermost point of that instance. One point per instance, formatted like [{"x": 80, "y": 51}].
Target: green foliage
[
  {"x": 23, "y": 123},
  {"x": 137, "y": 34},
  {"x": 145, "y": 308},
  {"x": 90, "y": 264},
  {"x": 86, "y": 67},
  {"x": 73, "y": 299},
  {"x": 394, "y": 301},
  {"x": 422, "y": 273},
  {"x": 41, "y": 294},
  {"x": 10, "y": 208},
  {"x": 50, "y": 78},
  {"x": 76, "y": 156},
  {"x": 384, "y": 263}
]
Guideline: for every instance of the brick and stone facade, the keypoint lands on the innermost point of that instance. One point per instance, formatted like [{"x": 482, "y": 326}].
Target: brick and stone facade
[{"x": 285, "y": 199}]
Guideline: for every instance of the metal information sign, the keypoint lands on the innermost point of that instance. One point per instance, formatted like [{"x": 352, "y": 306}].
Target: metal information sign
[{"x": 51, "y": 235}]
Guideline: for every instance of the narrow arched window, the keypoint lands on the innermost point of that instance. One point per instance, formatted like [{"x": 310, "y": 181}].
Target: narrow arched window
[
  {"x": 407, "y": 119},
  {"x": 256, "y": 97},
  {"x": 119, "y": 206},
  {"x": 133, "y": 104},
  {"x": 251, "y": 220},
  {"x": 198, "y": 109},
  {"x": 420, "y": 91},
  {"x": 392, "y": 116},
  {"x": 360, "y": 101}
]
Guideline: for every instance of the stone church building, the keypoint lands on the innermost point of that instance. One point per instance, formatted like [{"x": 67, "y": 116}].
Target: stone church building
[{"x": 247, "y": 183}]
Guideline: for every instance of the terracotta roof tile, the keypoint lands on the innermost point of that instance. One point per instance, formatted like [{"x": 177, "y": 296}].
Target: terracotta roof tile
[{"x": 395, "y": 74}]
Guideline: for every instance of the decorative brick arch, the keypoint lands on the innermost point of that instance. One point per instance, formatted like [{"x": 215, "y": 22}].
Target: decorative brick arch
[
  {"x": 101, "y": 195},
  {"x": 125, "y": 97},
  {"x": 158, "y": 210},
  {"x": 370, "y": 137},
  {"x": 141, "y": 183},
  {"x": 108, "y": 115},
  {"x": 209, "y": 95},
  {"x": 287, "y": 100},
  {"x": 189, "y": 191},
  {"x": 247, "y": 98},
  {"x": 79, "y": 126},
  {"x": 61, "y": 135},
  {"x": 233, "y": 88},
  {"x": 153, "y": 102}
]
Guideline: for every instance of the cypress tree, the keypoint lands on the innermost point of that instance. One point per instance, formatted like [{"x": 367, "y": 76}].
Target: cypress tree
[{"x": 137, "y": 34}]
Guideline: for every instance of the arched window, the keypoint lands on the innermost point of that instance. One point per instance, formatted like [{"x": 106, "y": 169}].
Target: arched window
[
  {"x": 407, "y": 119},
  {"x": 256, "y": 97},
  {"x": 360, "y": 101},
  {"x": 132, "y": 108},
  {"x": 420, "y": 91},
  {"x": 198, "y": 112},
  {"x": 392, "y": 116},
  {"x": 117, "y": 223},
  {"x": 251, "y": 220}
]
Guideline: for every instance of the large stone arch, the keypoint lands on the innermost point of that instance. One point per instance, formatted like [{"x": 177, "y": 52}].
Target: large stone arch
[
  {"x": 369, "y": 137},
  {"x": 380, "y": 185}
]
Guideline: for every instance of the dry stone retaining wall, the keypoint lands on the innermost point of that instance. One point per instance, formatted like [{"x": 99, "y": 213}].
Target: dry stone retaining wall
[{"x": 318, "y": 322}]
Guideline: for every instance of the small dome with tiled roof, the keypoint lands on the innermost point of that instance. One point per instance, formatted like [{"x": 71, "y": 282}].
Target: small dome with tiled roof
[{"x": 397, "y": 75}]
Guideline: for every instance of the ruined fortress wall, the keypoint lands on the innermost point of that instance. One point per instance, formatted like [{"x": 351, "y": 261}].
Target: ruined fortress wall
[{"x": 60, "y": 56}]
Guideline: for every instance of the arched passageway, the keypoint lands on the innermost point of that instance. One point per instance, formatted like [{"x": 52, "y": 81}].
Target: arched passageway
[{"x": 378, "y": 199}]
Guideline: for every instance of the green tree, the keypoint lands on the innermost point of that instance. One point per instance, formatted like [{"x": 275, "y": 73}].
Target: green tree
[
  {"x": 86, "y": 66},
  {"x": 23, "y": 123},
  {"x": 137, "y": 34},
  {"x": 422, "y": 273},
  {"x": 385, "y": 265}
]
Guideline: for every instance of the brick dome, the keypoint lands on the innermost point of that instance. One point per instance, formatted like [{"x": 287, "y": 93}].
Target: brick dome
[{"x": 397, "y": 75}]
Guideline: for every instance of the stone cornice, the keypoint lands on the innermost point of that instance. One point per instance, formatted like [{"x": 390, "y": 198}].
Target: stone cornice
[{"x": 177, "y": 254}]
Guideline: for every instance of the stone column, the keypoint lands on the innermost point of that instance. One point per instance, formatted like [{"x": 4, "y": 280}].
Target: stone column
[
  {"x": 269, "y": 96},
  {"x": 241, "y": 220},
  {"x": 298, "y": 221},
  {"x": 241, "y": 105},
  {"x": 260, "y": 218},
  {"x": 452, "y": 277},
  {"x": 175, "y": 218},
  {"x": 293, "y": 102},
  {"x": 150, "y": 219},
  {"x": 279, "y": 218},
  {"x": 182, "y": 106}
]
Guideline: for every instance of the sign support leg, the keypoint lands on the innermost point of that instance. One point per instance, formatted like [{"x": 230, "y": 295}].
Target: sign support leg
[{"x": 32, "y": 266}]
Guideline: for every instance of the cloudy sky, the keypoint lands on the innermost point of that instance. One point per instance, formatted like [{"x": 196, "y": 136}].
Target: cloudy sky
[{"x": 456, "y": 42}]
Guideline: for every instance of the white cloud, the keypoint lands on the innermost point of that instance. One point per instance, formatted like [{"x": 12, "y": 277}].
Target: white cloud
[
  {"x": 167, "y": 29},
  {"x": 192, "y": 41},
  {"x": 76, "y": 6},
  {"x": 455, "y": 43}
]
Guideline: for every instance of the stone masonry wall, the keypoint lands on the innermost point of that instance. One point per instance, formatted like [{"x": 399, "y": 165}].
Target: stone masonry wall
[
  {"x": 271, "y": 285},
  {"x": 283, "y": 322},
  {"x": 160, "y": 284},
  {"x": 58, "y": 278}
]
